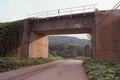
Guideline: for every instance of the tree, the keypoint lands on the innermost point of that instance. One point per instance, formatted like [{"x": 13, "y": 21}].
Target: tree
[
  {"x": 70, "y": 51},
  {"x": 56, "y": 47},
  {"x": 87, "y": 50}
]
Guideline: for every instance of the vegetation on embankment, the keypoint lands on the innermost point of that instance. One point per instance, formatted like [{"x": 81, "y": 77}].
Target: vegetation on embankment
[
  {"x": 10, "y": 63},
  {"x": 10, "y": 38},
  {"x": 101, "y": 69}
]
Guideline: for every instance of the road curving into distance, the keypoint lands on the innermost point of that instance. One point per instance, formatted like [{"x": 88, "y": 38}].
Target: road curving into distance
[{"x": 57, "y": 70}]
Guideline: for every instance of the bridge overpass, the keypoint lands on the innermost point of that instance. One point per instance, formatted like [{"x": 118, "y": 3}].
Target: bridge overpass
[{"x": 36, "y": 31}]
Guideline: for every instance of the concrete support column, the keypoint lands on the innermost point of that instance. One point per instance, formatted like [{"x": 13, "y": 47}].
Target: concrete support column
[
  {"x": 107, "y": 37},
  {"x": 23, "y": 48},
  {"x": 93, "y": 43},
  {"x": 38, "y": 46}
]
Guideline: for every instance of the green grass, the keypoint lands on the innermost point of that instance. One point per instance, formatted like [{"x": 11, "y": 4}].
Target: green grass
[
  {"x": 10, "y": 63},
  {"x": 101, "y": 69}
]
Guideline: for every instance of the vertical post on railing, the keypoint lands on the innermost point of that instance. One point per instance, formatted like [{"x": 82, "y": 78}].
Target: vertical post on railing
[
  {"x": 84, "y": 17},
  {"x": 47, "y": 14},
  {"x": 84, "y": 9},
  {"x": 70, "y": 13},
  {"x": 58, "y": 13}
]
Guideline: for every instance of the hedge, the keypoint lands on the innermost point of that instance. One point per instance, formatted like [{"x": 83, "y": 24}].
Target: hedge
[{"x": 10, "y": 37}]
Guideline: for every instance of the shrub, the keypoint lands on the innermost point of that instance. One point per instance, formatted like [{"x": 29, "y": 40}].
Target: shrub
[
  {"x": 10, "y": 63},
  {"x": 10, "y": 37},
  {"x": 101, "y": 70}
]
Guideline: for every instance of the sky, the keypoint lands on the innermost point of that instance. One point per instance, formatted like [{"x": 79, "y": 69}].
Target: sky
[{"x": 11, "y": 10}]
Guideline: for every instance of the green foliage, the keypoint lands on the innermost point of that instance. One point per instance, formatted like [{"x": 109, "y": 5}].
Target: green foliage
[
  {"x": 87, "y": 51},
  {"x": 10, "y": 63},
  {"x": 56, "y": 47},
  {"x": 67, "y": 40},
  {"x": 101, "y": 69},
  {"x": 59, "y": 45},
  {"x": 70, "y": 51},
  {"x": 10, "y": 37},
  {"x": 54, "y": 53},
  {"x": 64, "y": 50}
]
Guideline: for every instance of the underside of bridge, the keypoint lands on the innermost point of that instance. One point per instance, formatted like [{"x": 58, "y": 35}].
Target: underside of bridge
[{"x": 39, "y": 41}]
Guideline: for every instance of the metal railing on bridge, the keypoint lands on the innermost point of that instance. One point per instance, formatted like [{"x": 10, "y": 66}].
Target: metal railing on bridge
[{"x": 66, "y": 11}]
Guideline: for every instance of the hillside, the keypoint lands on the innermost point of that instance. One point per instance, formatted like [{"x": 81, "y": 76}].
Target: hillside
[{"x": 68, "y": 40}]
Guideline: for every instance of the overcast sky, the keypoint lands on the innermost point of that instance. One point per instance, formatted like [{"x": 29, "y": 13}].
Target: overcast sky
[{"x": 11, "y": 10}]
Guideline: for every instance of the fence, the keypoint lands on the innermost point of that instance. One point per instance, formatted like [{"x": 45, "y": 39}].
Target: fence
[{"x": 66, "y": 11}]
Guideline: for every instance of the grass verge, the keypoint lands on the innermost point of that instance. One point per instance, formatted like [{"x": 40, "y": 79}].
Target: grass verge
[
  {"x": 101, "y": 69},
  {"x": 10, "y": 63}
]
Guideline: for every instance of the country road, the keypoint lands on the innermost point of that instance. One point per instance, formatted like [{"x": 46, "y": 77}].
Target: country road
[{"x": 57, "y": 70}]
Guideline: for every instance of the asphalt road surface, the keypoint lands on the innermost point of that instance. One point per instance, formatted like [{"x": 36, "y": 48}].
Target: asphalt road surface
[{"x": 57, "y": 70}]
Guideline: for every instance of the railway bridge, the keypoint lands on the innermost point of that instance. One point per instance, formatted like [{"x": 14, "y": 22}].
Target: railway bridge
[{"x": 104, "y": 28}]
